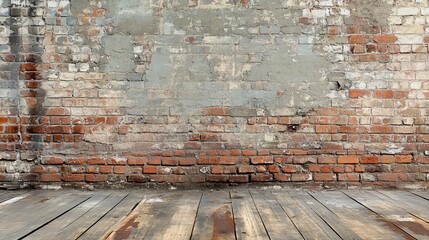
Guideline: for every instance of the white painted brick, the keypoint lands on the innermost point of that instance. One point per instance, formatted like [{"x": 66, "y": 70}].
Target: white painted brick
[
  {"x": 409, "y": 39},
  {"x": 408, "y": 11},
  {"x": 218, "y": 40},
  {"x": 417, "y": 29}
]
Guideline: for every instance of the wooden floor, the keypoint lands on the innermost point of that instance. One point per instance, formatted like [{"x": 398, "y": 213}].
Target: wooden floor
[{"x": 233, "y": 214}]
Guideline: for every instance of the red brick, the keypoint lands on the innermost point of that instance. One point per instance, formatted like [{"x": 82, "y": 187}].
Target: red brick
[
  {"x": 388, "y": 159},
  {"x": 290, "y": 169},
  {"x": 247, "y": 152},
  {"x": 403, "y": 159},
  {"x": 74, "y": 177},
  {"x": 170, "y": 162},
  {"x": 262, "y": 160},
  {"x": 348, "y": 160},
  {"x": 216, "y": 170},
  {"x": 338, "y": 169},
  {"x": 387, "y": 177},
  {"x": 37, "y": 169},
  {"x": 120, "y": 169},
  {"x": 96, "y": 161},
  {"x": 217, "y": 111},
  {"x": 273, "y": 169},
  {"x": 105, "y": 169},
  {"x": 369, "y": 159},
  {"x": 326, "y": 129},
  {"x": 385, "y": 38},
  {"x": 356, "y": 93},
  {"x": 53, "y": 161},
  {"x": 426, "y": 39},
  {"x": 216, "y": 178},
  {"x": 229, "y": 169},
  {"x": 50, "y": 177},
  {"x": 95, "y": 177},
  {"x": 260, "y": 169},
  {"x": 301, "y": 177},
  {"x": 424, "y": 160},
  {"x": 238, "y": 179},
  {"x": 327, "y": 159},
  {"x": 314, "y": 168},
  {"x": 56, "y": 112},
  {"x": 4, "y": 120},
  {"x": 261, "y": 178},
  {"x": 349, "y": 177},
  {"x": 187, "y": 162},
  {"x": 150, "y": 169},
  {"x": 358, "y": 39},
  {"x": 326, "y": 168},
  {"x": 92, "y": 169},
  {"x": 324, "y": 177},
  {"x": 383, "y": 94},
  {"x": 245, "y": 169},
  {"x": 281, "y": 177},
  {"x": 227, "y": 160}
]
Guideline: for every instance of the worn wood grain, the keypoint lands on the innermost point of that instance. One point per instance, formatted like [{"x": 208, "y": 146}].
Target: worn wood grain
[
  {"x": 180, "y": 215},
  {"x": 107, "y": 224},
  {"x": 83, "y": 223},
  {"x": 31, "y": 220},
  {"x": 57, "y": 225},
  {"x": 276, "y": 221},
  {"x": 343, "y": 230},
  {"x": 248, "y": 222},
  {"x": 303, "y": 217},
  {"x": 416, "y": 205},
  {"x": 214, "y": 218},
  {"x": 394, "y": 213},
  {"x": 358, "y": 218}
]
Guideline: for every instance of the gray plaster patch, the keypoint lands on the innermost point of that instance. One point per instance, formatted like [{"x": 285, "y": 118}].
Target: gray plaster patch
[
  {"x": 118, "y": 54},
  {"x": 77, "y": 6},
  {"x": 135, "y": 17}
]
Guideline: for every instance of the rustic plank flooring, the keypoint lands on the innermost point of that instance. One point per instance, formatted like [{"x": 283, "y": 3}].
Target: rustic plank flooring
[{"x": 226, "y": 214}]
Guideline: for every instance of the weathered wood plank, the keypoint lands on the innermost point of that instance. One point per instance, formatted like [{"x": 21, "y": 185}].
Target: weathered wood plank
[
  {"x": 414, "y": 204},
  {"x": 180, "y": 215},
  {"x": 107, "y": 224},
  {"x": 39, "y": 215},
  {"x": 308, "y": 223},
  {"x": 422, "y": 194},
  {"x": 214, "y": 217},
  {"x": 54, "y": 227},
  {"x": 248, "y": 222},
  {"x": 137, "y": 223},
  {"x": 328, "y": 216},
  {"x": 361, "y": 220},
  {"x": 81, "y": 224},
  {"x": 393, "y": 212},
  {"x": 276, "y": 221},
  {"x": 8, "y": 195}
]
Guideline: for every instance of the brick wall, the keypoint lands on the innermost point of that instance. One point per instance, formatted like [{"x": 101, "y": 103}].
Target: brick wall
[{"x": 182, "y": 91}]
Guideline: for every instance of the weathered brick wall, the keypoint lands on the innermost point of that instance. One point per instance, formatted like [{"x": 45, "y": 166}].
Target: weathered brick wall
[{"x": 196, "y": 91}]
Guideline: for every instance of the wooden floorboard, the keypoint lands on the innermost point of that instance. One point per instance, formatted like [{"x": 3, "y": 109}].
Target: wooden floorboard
[
  {"x": 214, "y": 215},
  {"x": 40, "y": 213},
  {"x": 358, "y": 218},
  {"x": 308, "y": 223},
  {"x": 393, "y": 212},
  {"x": 106, "y": 225}
]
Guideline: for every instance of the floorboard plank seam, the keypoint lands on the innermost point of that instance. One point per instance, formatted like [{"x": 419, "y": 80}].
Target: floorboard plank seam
[
  {"x": 102, "y": 215},
  {"x": 53, "y": 219}
]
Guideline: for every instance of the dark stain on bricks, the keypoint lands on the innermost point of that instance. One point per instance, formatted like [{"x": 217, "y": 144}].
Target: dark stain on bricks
[{"x": 25, "y": 68}]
